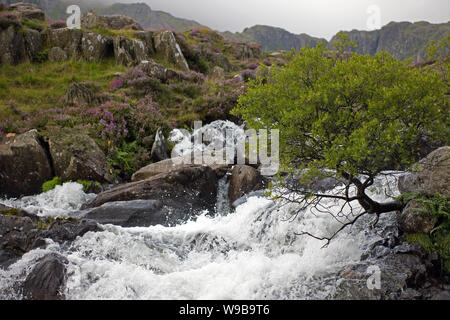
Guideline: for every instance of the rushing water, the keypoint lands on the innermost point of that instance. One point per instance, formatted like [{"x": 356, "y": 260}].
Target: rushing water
[{"x": 251, "y": 253}]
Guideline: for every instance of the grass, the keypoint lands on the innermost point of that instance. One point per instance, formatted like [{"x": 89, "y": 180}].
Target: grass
[{"x": 33, "y": 86}]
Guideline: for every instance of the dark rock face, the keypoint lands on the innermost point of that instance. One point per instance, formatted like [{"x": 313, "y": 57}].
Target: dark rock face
[
  {"x": 24, "y": 165},
  {"x": 159, "y": 148},
  {"x": 76, "y": 156},
  {"x": 175, "y": 195},
  {"x": 21, "y": 232},
  {"x": 47, "y": 279},
  {"x": 244, "y": 179},
  {"x": 12, "y": 46},
  {"x": 95, "y": 47},
  {"x": 431, "y": 175}
]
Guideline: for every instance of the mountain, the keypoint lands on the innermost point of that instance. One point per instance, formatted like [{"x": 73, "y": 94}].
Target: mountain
[
  {"x": 148, "y": 18},
  {"x": 272, "y": 38},
  {"x": 401, "y": 39}
]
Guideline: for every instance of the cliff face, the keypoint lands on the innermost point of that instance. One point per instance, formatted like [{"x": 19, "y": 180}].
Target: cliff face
[
  {"x": 401, "y": 39},
  {"x": 271, "y": 38}
]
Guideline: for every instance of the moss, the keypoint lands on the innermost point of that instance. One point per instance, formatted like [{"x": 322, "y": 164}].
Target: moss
[
  {"x": 9, "y": 212},
  {"x": 87, "y": 184},
  {"x": 51, "y": 184}
]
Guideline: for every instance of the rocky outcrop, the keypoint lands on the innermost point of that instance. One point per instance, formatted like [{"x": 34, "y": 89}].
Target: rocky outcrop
[
  {"x": 113, "y": 22},
  {"x": 166, "y": 44},
  {"x": 47, "y": 279},
  {"x": 244, "y": 179},
  {"x": 129, "y": 52},
  {"x": 76, "y": 156},
  {"x": 12, "y": 46},
  {"x": 244, "y": 51},
  {"x": 27, "y": 11},
  {"x": 158, "y": 71},
  {"x": 431, "y": 175},
  {"x": 68, "y": 40},
  {"x": 181, "y": 193},
  {"x": 24, "y": 165},
  {"x": 95, "y": 47}
]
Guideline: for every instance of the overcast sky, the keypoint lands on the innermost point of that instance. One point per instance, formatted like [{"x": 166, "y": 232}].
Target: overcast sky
[{"x": 320, "y": 18}]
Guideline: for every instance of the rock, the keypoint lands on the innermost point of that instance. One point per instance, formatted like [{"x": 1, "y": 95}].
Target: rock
[
  {"x": 56, "y": 54},
  {"x": 27, "y": 11},
  {"x": 431, "y": 175},
  {"x": 68, "y": 40},
  {"x": 166, "y": 44},
  {"x": 244, "y": 51},
  {"x": 21, "y": 232},
  {"x": 183, "y": 192},
  {"x": 80, "y": 93},
  {"x": 142, "y": 213},
  {"x": 95, "y": 47},
  {"x": 410, "y": 220},
  {"x": 158, "y": 71},
  {"x": 114, "y": 22},
  {"x": 76, "y": 156},
  {"x": 244, "y": 199},
  {"x": 129, "y": 52},
  {"x": 47, "y": 279},
  {"x": 24, "y": 165},
  {"x": 217, "y": 73},
  {"x": 33, "y": 43},
  {"x": 147, "y": 38},
  {"x": 159, "y": 148},
  {"x": 156, "y": 168},
  {"x": 208, "y": 51},
  {"x": 12, "y": 46},
  {"x": 244, "y": 179}
]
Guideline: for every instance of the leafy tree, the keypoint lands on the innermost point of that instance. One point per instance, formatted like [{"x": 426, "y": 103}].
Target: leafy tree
[{"x": 357, "y": 115}]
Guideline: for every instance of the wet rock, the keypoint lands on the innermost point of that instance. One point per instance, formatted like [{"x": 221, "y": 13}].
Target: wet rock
[
  {"x": 47, "y": 279},
  {"x": 76, "y": 156},
  {"x": 244, "y": 199},
  {"x": 95, "y": 47},
  {"x": 430, "y": 175},
  {"x": 166, "y": 44},
  {"x": 27, "y": 11},
  {"x": 142, "y": 213},
  {"x": 68, "y": 40},
  {"x": 115, "y": 22},
  {"x": 129, "y": 52},
  {"x": 184, "y": 191},
  {"x": 156, "y": 168},
  {"x": 57, "y": 54},
  {"x": 412, "y": 220},
  {"x": 24, "y": 165},
  {"x": 159, "y": 148},
  {"x": 244, "y": 179}
]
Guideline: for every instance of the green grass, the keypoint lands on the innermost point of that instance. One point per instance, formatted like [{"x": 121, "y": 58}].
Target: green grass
[{"x": 40, "y": 86}]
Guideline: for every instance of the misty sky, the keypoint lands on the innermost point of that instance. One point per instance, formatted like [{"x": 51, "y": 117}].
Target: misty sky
[{"x": 320, "y": 18}]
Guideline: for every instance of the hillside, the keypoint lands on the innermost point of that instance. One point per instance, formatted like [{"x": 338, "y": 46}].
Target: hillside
[
  {"x": 401, "y": 39},
  {"x": 272, "y": 38}
]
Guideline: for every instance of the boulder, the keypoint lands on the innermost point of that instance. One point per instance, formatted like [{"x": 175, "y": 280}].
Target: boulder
[
  {"x": 33, "y": 43},
  {"x": 167, "y": 45},
  {"x": 12, "y": 46},
  {"x": 147, "y": 38},
  {"x": 217, "y": 73},
  {"x": 245, "y": 51},
  {"x": 95, "y": 47},
  {"x": 27, "y": 11},
  {"x": 156, "y": 168},
  {"x": 56, "y": 54},
  {"x": 158, "y": 71},
  {"x": 431, "y": 175},
  {"x": 244, "y": 179},
  {"x": 24, "y": 165},
  {"x": 411, "y": 220},
  {"x": 47, "y": 279},
  {"x": 76, "y": 156},
  {"x": 129, "y": 52},
  {"x": 80, "y": 93},
  {"x": 180, "y": 193},
  {"x": 68, "y": 40},
  {"x": 114, "y": 22},
  {"x": 159, "y": 148}
]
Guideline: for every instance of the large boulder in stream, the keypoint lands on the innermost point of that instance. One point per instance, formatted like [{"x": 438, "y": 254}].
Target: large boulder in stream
[
  {"x": 24, "y": 165},
  {"x": 176, "y": 195},
  {"x": 244, "y": 179}
]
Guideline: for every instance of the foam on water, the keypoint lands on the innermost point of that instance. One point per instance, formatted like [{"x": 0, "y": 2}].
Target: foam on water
[
  {"x": 251, "y": 253},
  {"x": 61, "y": 201}
]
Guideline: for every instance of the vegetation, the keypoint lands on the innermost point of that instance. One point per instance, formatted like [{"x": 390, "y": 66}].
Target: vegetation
[
  {"x": 355, "y": 114},
  {"x": 51, "y": 184}
]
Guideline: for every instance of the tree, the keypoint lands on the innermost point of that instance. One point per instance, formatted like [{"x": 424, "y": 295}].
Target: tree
[{"x": 357, "y": 115}]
